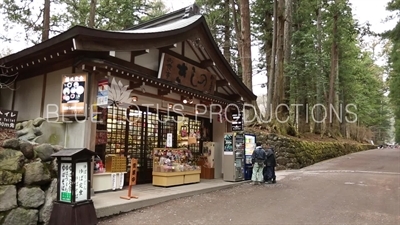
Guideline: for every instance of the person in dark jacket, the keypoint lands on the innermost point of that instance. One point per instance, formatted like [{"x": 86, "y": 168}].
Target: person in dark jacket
[
  {"x": 257, "y": 159},
  {"x": 270, "y": 163}
]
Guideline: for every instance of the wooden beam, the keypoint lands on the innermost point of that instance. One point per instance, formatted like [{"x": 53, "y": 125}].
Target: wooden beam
[
  {"x": 162, "y": 92},
  {"x": 183, "y": 48},
  {"x": 207, "y": 63},
  {"x": 179, "y": 56},
  {"x": 39, "y": 70},
  {"x": 222, "y": 83},
  {"x": 170, "y": 46},
  {"x": 134, "y": 84},
  {"x": 44, "y": 83},
  {"x": 99, "y": 44},
  {"x": 155, "y": 96},
  {"x": 140, "y": 52},
  {"x": 234, "y": 97},
  {"x": 126, "y": 64}
]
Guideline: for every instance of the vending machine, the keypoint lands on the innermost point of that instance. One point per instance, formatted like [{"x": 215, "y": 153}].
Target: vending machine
[
  {"x": 250, "y": 146},
  {"x": 233, "y": 158}
]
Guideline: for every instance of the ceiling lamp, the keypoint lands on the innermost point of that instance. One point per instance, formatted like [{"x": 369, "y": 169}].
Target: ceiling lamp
[{"x": 134, "y": 98}]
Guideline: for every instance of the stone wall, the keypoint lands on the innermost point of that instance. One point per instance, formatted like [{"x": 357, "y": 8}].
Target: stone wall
[
  {"x": 28, "y": 184},
  {"x": 296, "y": 154}
]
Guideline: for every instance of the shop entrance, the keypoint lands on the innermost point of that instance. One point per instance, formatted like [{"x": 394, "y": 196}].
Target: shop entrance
[{"x": 135, "y": 132}]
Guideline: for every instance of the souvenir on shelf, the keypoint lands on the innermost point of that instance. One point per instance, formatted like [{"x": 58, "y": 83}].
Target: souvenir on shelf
[
  {"x": 184, "y": 131},
  {"x": 174, "y": 160}
]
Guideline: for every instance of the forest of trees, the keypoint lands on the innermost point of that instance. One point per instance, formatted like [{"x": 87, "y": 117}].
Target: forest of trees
[
  {"x": 393, "y": 37},
  {"x": 312, "y": 52},
  {"x": 314, "y": 57}
]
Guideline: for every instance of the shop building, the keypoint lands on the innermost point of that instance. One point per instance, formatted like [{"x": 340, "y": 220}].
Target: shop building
[{"x": 122, "y": 89}]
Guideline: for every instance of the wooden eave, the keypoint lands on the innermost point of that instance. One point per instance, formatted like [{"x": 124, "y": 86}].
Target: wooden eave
[{"x": 71, "y": 43}]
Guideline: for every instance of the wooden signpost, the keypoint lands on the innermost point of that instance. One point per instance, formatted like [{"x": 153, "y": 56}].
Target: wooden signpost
[{"x": 132, "y": 180}]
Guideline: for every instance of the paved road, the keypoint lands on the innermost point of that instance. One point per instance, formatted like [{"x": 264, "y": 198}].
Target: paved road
[{"x": 361, "y": 188}]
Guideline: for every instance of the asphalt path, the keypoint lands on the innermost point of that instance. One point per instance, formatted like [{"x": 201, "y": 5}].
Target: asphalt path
[{"x": 360, "y": 188}]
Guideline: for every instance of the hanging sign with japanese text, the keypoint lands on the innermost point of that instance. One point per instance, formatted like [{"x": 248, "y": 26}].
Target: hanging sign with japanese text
[
  {"x": 102, "y": 93},
  {"x": 81, "y": 187},
  {"x": 237, "y": 122},
  {"x": 180, "y": 72},
  {"x": 8, "y": 119},
  {"x": 73, "y": 95},
  {"x": 66, "y": 182}
]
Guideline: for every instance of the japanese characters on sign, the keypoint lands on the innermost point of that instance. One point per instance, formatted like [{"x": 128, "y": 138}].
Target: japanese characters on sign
[
  {"x": 81, "y": 187},
  {"x": 237, "y": 122},
  {"x": 66, "y": 182},
  {"x": 73, "y": 95},
  {"x": 175, "y": 70},
  {"x": 102, "y": 93},
  {"x": 8, "y": 119}
]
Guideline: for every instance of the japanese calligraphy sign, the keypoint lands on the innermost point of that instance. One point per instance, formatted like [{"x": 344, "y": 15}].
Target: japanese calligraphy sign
[
  {"x": 175, "y": 70},
  {"x": 73, "y": 95},
  {"x": 65, "y": 182},
  {"x": 237, "y": 122},
  {"x": 8, "y": 118},
  {"x": 81, "y": 187}
]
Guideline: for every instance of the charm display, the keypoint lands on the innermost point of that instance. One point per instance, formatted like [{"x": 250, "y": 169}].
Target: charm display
[
  {"x": 176, "y": 160},
  {"x": 65, "y": 184}
]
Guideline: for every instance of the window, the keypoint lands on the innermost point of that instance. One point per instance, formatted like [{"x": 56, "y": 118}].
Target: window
[{"x": 116, "y": 127}]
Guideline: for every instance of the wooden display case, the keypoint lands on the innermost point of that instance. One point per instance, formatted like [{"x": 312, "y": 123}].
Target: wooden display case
[
  {"x": 177, "y": 171},
  {"x": 115, "y": 164}
]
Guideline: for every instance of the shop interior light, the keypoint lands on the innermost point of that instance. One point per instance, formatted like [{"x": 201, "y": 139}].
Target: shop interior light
[
  {"x": 191, "y": 101},
  {"x": 184, "y": 101},
  {"x": 169, "y": 105},
  {"x": 134, "y": 98}
]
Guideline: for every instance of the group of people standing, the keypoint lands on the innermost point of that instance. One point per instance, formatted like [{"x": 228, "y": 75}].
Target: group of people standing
[{"x": 264, "y": 163}]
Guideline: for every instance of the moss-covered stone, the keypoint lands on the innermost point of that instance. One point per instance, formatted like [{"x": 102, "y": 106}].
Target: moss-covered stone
[
  {"x": 294, "y": 153},
  {"x": 7, "y": 177},
  {"x": 11, "y": 160}
]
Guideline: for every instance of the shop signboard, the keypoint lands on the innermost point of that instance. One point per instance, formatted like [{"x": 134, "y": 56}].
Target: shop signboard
[
  {"x": 8, "y": 119},
  {"x": 180, "y": 72},
  {"x": 73, "y": 96},
  {"x": 81, "y": 187},
  {"x": 237, "y": 122},
  {"x": 65, "y": 183}
]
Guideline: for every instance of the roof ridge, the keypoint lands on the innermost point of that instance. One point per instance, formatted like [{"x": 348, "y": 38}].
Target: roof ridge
[{"x": 192, "y": 9}]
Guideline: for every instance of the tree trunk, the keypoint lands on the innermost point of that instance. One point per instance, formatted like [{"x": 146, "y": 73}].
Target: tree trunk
[
  {"x": 279, "y": 89},
  {"x": 246, "y": 43},
  {"x": 268, "y": 27},
  {"x": 227, "y": 32},
  {"x": 319, "y": 81},
  {"x": 333, "y": 78},
  {"x": 271, "y": 73},
  {"x": 92, "y": 14},
  {"x": 287, "y": 39},
  {"x": 46, "y": 20}
]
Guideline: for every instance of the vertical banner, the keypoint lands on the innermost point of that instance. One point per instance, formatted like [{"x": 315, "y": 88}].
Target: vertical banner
[
  {"x": 102, "y": 93},
  {"x": 113, "y": 181},
  {"x": 121, "y": 180}
]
